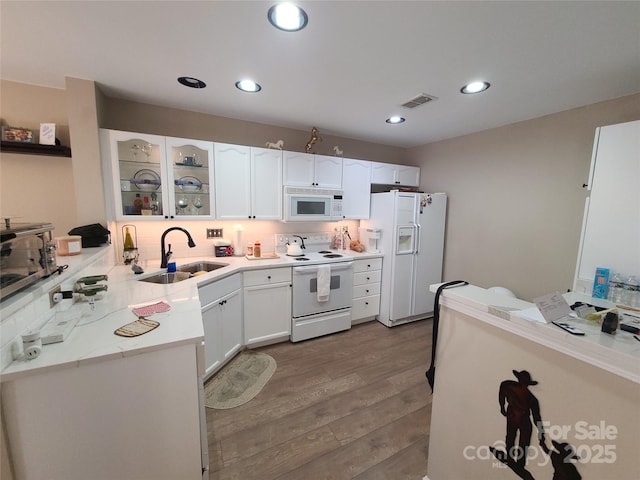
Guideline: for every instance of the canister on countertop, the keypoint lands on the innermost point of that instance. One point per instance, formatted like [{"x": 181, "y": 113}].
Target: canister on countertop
[
  {"x": 250, "y": 249},
  {"x": 223, "y": 248},
  {"x": 69, "y": 245},
  {"x": 257, "y": 249},
  {"x": 610, "y": 323}
]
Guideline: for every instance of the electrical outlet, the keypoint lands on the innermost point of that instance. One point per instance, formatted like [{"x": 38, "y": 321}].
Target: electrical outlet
[
  {"x": 57, "y": 289},
  {"x": 214, "y": 233},
  {"x": 281, "y": 239}
]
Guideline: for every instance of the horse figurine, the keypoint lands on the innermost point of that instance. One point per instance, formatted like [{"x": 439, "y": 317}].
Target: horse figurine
[
  {"x": 315, "y": 136},
  {"x": 278, "y": 145},
  {"x": 338, "y": 151}
]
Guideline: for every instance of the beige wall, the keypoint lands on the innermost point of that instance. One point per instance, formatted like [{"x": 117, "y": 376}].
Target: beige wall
[
  {"x": 139, "y": 117},
  {"x": 516, "y": 199},
  {"x": 35, "y": 187}
]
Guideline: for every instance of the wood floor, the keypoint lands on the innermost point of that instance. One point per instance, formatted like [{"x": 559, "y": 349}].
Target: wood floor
[{"x": 353, "y": 405}]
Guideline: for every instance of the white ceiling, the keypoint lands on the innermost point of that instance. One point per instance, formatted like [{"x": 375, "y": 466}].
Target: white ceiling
[{"x": 351, "y": 68}]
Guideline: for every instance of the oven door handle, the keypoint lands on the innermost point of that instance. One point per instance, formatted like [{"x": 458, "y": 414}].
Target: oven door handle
[{"x": 314, "y": 268}]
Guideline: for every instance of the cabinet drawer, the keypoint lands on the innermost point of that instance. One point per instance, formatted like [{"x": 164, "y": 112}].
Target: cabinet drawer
[
  {"x": 365, "y": 307},
  {"x": 266, "y": 276},
  {"x": 366, "y": 290},
  {"x": 367, "y": 265},
  {"x": 212, "y": 291},
  {"x": 367, "y": 277}
]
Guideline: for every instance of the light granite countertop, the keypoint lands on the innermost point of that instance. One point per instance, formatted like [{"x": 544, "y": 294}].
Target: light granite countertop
[
  {"x": 93, "y": 338},
  {"x": 618, "y": 354}
]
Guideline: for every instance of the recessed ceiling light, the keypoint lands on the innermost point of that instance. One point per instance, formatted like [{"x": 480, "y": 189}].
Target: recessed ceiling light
[
  {"x": 288, "y": 17},
  {"x": 395, "y": 120},
  {"x": 475, "y": 87},
  {"x": 191, "y": 82},
  {"x": 248, "y": 86}
]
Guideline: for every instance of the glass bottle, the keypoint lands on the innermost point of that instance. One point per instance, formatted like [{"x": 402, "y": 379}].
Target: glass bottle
[
  {"x": 128, "y": 241},
  {"x": 256, "y": 249},
  {"x": 631, "y": 292},
  {"x": 615, "y": 288}
]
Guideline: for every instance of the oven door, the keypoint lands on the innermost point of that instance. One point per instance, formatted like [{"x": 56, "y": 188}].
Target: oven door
[{"x": 305, "y": 289}]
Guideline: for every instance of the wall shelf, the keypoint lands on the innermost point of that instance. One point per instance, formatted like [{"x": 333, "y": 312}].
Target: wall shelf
[{"x": 35, "y": 149}]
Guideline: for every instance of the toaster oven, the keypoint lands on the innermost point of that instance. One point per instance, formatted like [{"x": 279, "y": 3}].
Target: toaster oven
[{"x": 27, "y": 254}]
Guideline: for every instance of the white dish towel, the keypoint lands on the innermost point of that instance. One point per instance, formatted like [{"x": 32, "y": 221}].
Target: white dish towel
[{"x": 324, "y": 282}]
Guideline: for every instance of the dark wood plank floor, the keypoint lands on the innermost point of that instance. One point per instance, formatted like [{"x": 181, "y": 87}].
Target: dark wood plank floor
[{"x": 353, "y": 405}]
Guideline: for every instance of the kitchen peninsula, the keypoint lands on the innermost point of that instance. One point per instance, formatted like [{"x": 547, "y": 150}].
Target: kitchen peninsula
[
  {"x": 145, "y": 390},
  {"x": 587, "y": 390}
]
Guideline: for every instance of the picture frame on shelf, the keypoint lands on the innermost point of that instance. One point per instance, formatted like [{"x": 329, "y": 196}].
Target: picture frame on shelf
[{"x": 17, "y": 134}]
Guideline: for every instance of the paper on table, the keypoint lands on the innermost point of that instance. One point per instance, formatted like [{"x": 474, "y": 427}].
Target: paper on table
[{"x": 552, "y": 306}]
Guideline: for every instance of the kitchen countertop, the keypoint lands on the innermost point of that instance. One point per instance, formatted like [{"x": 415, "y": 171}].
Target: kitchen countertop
[
  {"x": 93, "y": 338},
  {"x": 617, "y": 353}
]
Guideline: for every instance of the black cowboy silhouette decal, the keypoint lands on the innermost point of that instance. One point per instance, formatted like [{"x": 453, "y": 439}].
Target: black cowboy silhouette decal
[{"x": 522, "y": 410}]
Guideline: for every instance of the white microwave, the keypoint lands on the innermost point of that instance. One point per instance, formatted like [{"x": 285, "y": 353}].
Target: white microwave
[{"x": 312, "y": 205}]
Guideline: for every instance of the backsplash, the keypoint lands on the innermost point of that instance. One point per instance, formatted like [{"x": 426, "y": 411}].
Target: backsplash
[{"x": 149, "y": 233}]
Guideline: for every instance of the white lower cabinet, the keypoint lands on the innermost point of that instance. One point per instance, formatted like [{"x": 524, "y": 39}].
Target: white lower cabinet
[
  {"x": 130, "y": 417},
  {"x": 366, "y": 289},
  {"x": 267, "y": 306},
  {"x": 221, "y": 303}
]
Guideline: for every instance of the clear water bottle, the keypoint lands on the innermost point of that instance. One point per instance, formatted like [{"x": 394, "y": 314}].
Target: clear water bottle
[
  {"x": 615, "y": 288},
  {"x": 631, "y": 292}
]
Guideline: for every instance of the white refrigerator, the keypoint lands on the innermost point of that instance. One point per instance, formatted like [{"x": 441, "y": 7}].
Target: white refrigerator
[{"x": 412, "y": 243}]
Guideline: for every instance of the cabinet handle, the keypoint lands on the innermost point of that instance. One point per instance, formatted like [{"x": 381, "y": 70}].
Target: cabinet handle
[
  {"x": 366, "y": 303},
  {"x": 367, "y": 291},
  {"x": 368, "y": 266},
  {"x": 368, "y": 278},
  {"x": 268, "y": 277}
]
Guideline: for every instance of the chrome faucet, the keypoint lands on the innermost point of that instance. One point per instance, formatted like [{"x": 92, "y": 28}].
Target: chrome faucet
[
  {"x": 165, "y": 255},
  {"x": 302, "y": 240}
]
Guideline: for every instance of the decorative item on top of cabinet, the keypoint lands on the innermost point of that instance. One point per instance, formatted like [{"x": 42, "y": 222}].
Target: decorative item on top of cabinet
[
  {"x": 279, "y": 144},
  {"x": 367, "y": 274},
  {"x": 339, "y": 152},
  {"x": 267, "y": 306},
  {"x": 315, "y": 137}
]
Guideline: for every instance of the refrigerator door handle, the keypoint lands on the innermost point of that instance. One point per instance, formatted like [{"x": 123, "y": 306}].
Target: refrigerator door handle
[{"x": 417, "y": 238}]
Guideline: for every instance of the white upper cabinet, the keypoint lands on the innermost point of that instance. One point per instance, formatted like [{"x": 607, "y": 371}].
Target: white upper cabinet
[
  {"x": 356, "y": 196},
  {"x": 153, "y": 177},
  {"x": 310, "y": 170},
  {"x": 391, "y": 174},
  {"x": 249, "y": 182},
  {"x": 266, "y": 184}
]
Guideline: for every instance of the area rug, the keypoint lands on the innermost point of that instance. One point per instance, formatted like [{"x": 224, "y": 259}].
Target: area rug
[{"x": 239, "y": 381}]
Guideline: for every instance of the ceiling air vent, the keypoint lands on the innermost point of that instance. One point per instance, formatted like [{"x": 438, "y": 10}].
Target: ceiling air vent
[{"x": 419, "y": 100}]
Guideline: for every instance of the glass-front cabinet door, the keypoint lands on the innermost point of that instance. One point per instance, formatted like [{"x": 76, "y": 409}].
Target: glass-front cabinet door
[
  {"x": 157, "y": 177},
  {"x": 191, "y": 177},
  {"x": 139, "y": 177}
]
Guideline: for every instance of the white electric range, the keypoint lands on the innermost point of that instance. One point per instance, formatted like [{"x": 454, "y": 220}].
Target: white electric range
[{"x": 322, "y": 287}]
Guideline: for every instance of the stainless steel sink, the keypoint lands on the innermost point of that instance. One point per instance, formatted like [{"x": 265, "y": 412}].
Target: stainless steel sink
[
  {"x": 166, "y": 278},
  {"x": 203, "y": 266},
  {"x": 184, "y": 272}
]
